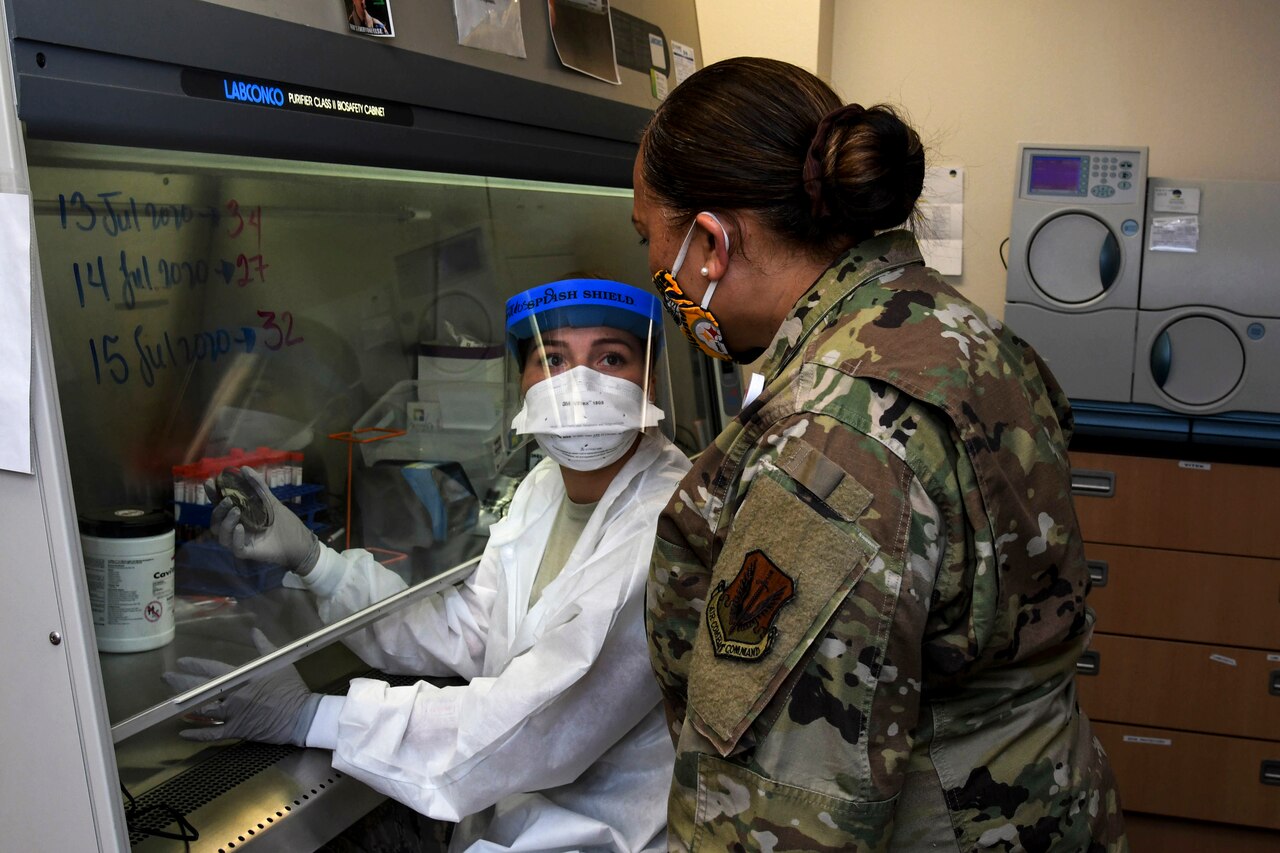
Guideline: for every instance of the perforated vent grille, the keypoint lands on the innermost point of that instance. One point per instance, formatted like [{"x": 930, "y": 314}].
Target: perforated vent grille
[
  {"x": 397, "y": 680},
  {"x": 200, "y": 785},
  {"x": 203, "y": 783}
]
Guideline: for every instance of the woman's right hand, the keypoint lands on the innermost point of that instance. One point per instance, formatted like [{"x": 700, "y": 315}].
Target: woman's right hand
[{"x": 285, "y": 540}]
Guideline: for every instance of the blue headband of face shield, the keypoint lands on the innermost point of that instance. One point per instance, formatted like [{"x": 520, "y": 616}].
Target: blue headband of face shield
[{"x": 583, "y": 303}]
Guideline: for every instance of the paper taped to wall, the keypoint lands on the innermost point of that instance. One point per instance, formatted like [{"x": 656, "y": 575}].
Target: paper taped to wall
[{"x": 942, "y": 219}]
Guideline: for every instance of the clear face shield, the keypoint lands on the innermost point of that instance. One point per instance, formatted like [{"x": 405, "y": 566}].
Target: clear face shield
[{"x": 588, "y": 358}]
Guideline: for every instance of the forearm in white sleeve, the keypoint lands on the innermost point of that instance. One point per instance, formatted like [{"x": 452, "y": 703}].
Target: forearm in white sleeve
[
  {"x": 450, "y": 752},
  {"x": 441, "y": 634}
]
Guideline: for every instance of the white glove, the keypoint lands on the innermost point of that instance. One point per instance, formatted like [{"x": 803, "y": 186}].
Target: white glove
[
  {"x": 285, "y": 541},
  {"x": 277, "y": 708}
]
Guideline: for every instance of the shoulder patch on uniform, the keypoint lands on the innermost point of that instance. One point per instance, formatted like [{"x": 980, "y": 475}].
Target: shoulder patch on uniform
[{"x": 740, "y": 614}]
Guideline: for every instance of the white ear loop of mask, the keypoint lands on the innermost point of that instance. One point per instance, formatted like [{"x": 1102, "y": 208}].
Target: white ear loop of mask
[{"x": 684, "y": 250}]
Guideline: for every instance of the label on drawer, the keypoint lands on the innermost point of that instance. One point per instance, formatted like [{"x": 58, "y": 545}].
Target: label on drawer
[
  {"x": 1154, "y": 741},
  {"x": 1273, "y": 658},
  {"x": 1195, "y": 466},
  {"x": 1222, "y": 659}
]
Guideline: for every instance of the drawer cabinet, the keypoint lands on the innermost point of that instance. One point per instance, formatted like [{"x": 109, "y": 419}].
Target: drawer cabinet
[
  {"x": 1177, "y": 504},
  {"x": 1184, "y": 686},
  {"x": 1200, "y": 776},
  {"x": 1185, "y": 595},
  {"x": 1150, "y": 834},
  {"x": 1182, "y": 677}
]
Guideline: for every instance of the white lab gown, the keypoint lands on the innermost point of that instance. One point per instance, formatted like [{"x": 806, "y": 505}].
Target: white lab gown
[{"x": 558, "y": 741}]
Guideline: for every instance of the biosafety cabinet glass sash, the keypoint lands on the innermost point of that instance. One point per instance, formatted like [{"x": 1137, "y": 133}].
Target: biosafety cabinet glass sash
[{"x": 338, "y": 329}]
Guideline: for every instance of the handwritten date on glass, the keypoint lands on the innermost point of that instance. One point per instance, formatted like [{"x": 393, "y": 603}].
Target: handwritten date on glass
[
  {"x": 113, "y": 214},
  {"x": 154, "y": 354},
  {"x": 134, "y": 274}
]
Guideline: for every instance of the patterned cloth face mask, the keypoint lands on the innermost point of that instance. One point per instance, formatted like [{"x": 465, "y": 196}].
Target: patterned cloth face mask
[{"x": 697, "y": 322}]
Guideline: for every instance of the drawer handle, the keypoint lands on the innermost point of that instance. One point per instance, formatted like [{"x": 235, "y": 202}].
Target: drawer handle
[
  {"x": 1275, "y": 683},
  {"x": 1089, "y": 664},
  {"x": 1095, "y": 484},
  {"x": 1270, "y": 774},
  {"x": 1097, "y": 572}
]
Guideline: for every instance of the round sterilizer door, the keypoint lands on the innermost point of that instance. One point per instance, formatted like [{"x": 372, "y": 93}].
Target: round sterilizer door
[
  {"x": 1074, "y": 258},
  {"x": 1197, "y": 360}
]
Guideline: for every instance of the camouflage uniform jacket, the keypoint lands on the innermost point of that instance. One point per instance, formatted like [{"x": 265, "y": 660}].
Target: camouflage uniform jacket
[{"x": 868, "y": 596}]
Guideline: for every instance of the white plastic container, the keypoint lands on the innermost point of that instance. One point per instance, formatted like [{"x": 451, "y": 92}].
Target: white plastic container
[{"x": 128, "y": 559}]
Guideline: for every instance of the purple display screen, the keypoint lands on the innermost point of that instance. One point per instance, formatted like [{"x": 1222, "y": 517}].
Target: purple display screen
[{"x": 1058, "y": 175}]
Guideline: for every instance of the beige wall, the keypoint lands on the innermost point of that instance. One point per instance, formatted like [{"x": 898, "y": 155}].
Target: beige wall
[
  {"x": 796, "y": 31},
  {"x": 1198, "y": 81}
]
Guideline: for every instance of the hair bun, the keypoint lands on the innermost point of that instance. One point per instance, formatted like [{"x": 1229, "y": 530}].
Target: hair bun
[
  {"x": 864, "y": 170},
  {"x": 760, "y": 136},
  {"x": 814, "y": 168}
]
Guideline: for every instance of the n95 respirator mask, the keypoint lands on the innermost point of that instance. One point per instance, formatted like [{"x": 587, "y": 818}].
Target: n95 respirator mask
[{"x": 585, "y": 420}]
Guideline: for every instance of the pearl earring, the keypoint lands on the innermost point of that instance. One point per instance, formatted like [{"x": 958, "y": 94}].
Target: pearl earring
[{"x": 703, "y": 271}]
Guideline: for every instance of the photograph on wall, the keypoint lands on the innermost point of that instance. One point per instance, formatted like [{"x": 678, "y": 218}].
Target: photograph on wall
[
  {"x": 492, "y": 25},
  {"x": 582, "y": 32},
  {"x": 370, "y": 17}
]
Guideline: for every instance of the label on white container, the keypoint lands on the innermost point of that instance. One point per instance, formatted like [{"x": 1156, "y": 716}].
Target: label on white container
[{"x": 131, "y": 594}]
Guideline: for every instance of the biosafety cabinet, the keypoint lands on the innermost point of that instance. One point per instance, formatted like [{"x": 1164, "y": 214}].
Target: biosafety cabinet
[{"x": 260, "y": 237}]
